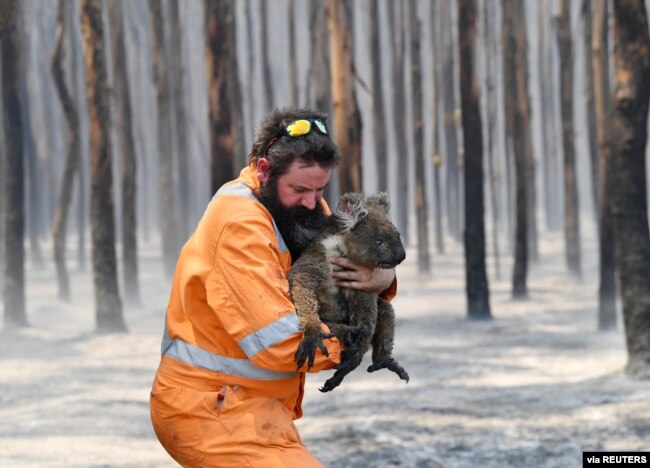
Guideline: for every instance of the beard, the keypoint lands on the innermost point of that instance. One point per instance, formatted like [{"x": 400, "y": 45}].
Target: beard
[{"x": 298, "y": 225}]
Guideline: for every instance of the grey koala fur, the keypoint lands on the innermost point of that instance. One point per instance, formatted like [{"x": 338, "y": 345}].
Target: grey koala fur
[{"x": 360, "y": 230}]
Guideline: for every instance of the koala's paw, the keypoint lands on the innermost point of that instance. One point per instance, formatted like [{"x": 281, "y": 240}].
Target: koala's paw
[
  {"x": 392, "y": 365},
  {"x": 312, "y": 340}
]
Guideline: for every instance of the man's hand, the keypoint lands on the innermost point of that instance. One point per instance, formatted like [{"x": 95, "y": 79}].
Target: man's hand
[{"x": 361, "y": 277}]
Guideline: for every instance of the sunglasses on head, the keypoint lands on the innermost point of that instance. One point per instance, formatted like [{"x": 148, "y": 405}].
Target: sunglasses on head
[
  {"x": 300, "y": 127},
  {"x": 305, "y": 126}
]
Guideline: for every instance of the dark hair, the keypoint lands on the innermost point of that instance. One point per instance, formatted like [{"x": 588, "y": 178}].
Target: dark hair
[{"x": 281, "y": 150}]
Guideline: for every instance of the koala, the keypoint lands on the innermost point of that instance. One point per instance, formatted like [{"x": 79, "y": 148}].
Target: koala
[{"x": 360, "y": 230}]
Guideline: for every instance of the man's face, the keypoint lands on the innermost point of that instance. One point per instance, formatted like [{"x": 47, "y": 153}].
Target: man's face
[{"x": 293, "y": 199}]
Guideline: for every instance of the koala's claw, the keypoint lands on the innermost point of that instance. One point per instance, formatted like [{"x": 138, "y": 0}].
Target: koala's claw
[
  {"x": 392, "y": 365},
  {"x": 307, "y": 349}
]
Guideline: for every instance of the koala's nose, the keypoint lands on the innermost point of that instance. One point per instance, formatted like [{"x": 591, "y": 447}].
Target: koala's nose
[{"x": 400, "y": 253}]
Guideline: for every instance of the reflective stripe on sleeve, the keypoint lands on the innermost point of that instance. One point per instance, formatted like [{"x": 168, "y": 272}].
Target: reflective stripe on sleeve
[
  {"x": 197, "y": 357},
  {"x": 271, "y": 334}
]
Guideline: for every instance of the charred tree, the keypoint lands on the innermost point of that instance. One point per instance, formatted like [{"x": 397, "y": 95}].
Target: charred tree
[
  {"x": 347, "y": 117},
  {"x": 14, "y": 196},
  {"x": 267, "y": 76},
  {"x": 378, "y": 111},
  {"x": 571, "y": 206},
  {"x": 124, "y": 122},
  {"x": 72, "y": 162},
  {"x": 397, "y": 33},
  {"x": 168, "y": 219},
  {"x": 293, "y": 65},
  {"x": 478, "y": 295},
  {"x": 108, "y": 307},
  {"x": 452, "y": 121},
  {"x": 177, "y": 62},
  {"x": 220, "y": 16},
  {"x": 319, "y": 64},
  {"x": 629, "y": 196},
  {"x": 600, "y": 70},
  {"x": 437, "y": 118},
  {"x": 491, "y": 50},
  {"x": 590, "y": 104},
  {"x": 548, "y": 115},
  {"x": 421, "y": 210},
  {"x": 514, "y": 71}
]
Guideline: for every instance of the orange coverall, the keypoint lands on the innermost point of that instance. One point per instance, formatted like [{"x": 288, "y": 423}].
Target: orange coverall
[{"x": 227, "y": 390}]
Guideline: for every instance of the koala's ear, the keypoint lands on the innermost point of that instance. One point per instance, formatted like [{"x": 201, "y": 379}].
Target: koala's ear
[
  {"x": 380, "y": 200},
  {"x": 350, "y": 209}
]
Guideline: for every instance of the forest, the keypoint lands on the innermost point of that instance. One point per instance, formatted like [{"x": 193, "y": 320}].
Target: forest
[{"x": 504, "y": 132}]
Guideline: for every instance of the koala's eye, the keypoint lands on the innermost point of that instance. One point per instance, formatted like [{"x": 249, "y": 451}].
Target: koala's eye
[{"x": 379, "y": 242}]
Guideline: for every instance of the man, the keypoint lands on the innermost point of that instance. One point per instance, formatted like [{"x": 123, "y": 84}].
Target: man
[{"x": 227, "y": 389}]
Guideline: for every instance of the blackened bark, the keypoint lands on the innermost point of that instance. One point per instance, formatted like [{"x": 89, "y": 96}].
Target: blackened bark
[
  {"x": 437, "y": 118},
  {"x": 108, "y": 307},
  {"x": 378, "y": 111},
  {"x": 491, "y": 49},
  {"x": 451, "y": 123},
  {"x": 181, "y": 120},
  {"x": 590, "y": 104},
  {"x": 600, "y": 70},
  {"x": 220, "y": 16},
  {"x": 421, "y": 210},
  {"x": 629, "y": 196},
  {"x": 126, "y": 140},
  {"x": 293, "y": 59},
  {"x": 478, "y": 295},
  {"x": 514, "y": 54},
  {"x": 347, "y": 117},
  {"x": 72, "y": 163},
  {"x": 319, "y": 63},
  {"x": 571, "y": 206},
  {"x": 397, "y": 28},
  {"x": 267, "y": 76},
  {"x": 167, "y": 204},
  {"x": 14, "y": 268}
]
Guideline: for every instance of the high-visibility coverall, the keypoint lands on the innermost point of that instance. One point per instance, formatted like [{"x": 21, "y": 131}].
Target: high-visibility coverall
[{"x": 227, "y": 390}]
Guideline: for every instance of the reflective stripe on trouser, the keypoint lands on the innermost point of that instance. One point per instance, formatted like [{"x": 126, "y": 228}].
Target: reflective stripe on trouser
[{"x": 211, "y": 426}]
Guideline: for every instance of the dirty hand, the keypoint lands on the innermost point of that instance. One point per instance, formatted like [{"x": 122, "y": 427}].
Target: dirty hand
[{"x": 361, "y": 277}]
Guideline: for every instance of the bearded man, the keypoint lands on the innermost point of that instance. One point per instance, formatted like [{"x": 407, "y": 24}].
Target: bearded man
[{"x": 227, "y": 389}]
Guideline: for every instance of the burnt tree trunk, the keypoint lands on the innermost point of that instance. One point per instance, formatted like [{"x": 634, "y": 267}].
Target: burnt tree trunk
[
  {"x": 437, "y": 118},
  {"x": 397, "y": 29},
  {"x": 74, "y": 156},
  {"x": 491, "y": 49},
  {"x": 451, "y": 123},
  {"x": 378, "y": 111},
  {"x": 178, "y": 85},
  {"x": 478, "y": 295},
  {"x": 421, "y": 210},
  {"x": 571, "y": 206},
  {"x": 14, "y": 267},
  {"x": 220, "y": 15},
  {"x": 293, "y": 59},
  {"x": 590, "y": 104},
  {"x": 514, "y": 54},
  {"x": 347, "y": 117},
  {"x": 267, "y": 77},
  {"x": 108, "y": 307},
  {"x": 167, "y": 204},
  {"x": 319, "y": 64},
  {"x": 124, "y": 123},
  {"x": 629, "y": 196},
  {"x": 600, "y": 70}
]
